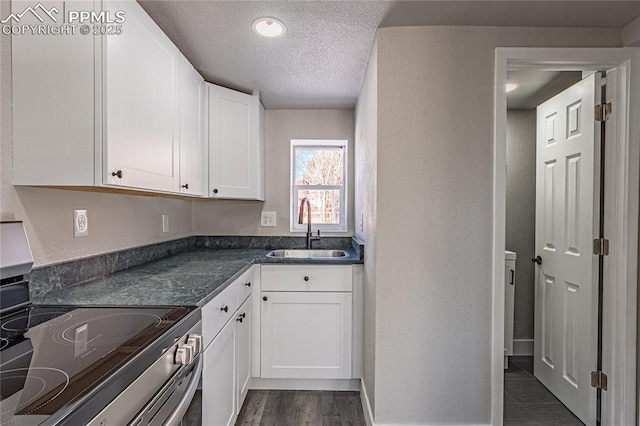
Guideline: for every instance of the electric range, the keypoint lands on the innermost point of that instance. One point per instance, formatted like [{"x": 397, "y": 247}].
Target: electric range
[{"x": 78, "y": 365}]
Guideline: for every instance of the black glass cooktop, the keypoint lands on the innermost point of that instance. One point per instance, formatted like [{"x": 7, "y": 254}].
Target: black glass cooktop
[{"x": 50, "y": 356}]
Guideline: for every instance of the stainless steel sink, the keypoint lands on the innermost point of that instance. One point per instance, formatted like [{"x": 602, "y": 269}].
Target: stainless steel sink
[{"x": 307, "y": 254}]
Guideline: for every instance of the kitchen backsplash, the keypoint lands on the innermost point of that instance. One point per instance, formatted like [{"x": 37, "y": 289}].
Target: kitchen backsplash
[
  {"x": 48, "y": 278},
  {"x": 269, "y": 242},
  {"x": 52, "y": 277}
]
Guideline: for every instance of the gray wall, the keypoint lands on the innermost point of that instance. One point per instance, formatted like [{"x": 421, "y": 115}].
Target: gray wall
[
  {"x": 115, "y": 221},
  {"x": 434, "y": 150},
  {"x": 521, "y": 213},
  {"x": 366, "y": 206},
  {"x": 225, "y": 217}
]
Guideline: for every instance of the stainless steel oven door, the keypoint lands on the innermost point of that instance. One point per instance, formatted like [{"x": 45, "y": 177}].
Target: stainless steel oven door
[
  {"x": 169, "y": 406},
  {"x": 163, "y": 393}
]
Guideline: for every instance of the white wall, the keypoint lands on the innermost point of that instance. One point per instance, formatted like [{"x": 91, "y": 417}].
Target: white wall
[
  {"x": 521, "y": 214},
  {"x": 115, "y": 221},
  {"x": 366, "y": 206},
  {"x": 225, "y": 217},
  {"x": 434, "y": 216}
]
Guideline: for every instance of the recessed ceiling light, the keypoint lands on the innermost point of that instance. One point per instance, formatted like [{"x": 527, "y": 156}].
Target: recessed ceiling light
[
  {"x": 269, "y": 27},
  {"x": 512, "y": 86}
]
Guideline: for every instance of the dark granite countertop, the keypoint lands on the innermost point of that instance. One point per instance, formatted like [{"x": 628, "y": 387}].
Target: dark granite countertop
[{"x": 192, "y": 278}]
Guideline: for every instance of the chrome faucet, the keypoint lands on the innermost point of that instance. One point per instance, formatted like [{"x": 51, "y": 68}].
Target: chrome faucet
[{"x": 310, "y": 238}]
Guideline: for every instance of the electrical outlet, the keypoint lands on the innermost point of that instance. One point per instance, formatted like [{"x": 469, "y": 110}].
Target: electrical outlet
[
  {"x": 165, "y": 223},
  {"x": 80, "y": 223},
  {"x": 268, "y": 219}
]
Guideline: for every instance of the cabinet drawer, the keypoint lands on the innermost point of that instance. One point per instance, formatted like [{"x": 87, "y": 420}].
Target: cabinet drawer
[
  {"x": 306, "y": 277},
  {"x": 217, "y": 312},
  {"x": 244, "y": 285}
]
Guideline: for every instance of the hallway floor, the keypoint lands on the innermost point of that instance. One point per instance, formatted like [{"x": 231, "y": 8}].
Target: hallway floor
[{"x": 528, "y": 402}]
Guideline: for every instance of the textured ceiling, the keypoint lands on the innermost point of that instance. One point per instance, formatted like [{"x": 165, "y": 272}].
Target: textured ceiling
[
  {"x": 517, "y": 13},
  {"x": 321, "y": 60}
]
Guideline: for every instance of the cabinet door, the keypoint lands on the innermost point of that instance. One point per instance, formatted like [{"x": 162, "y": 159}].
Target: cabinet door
[
  {"x": 243, "y": 351},
  {"x": 192, "y": 140},
  {"x": 53, "y": 102},
  {"x": 306, "y": 335},
  {"x": 234, "y": 144},
  {"x": 218, "y": 379},
  {"x": 140, "y": 104}
]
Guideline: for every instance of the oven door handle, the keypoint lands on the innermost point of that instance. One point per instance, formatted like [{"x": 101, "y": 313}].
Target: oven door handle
[{"x": 176, "y": 417}]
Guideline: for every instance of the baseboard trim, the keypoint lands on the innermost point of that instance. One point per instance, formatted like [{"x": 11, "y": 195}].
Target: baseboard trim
[
  {"x": 368, "y": 413},
  {"x": 305, "y": 384},
  {"x": 523, "y": 347},
  {"x": 366, "y": 405}
]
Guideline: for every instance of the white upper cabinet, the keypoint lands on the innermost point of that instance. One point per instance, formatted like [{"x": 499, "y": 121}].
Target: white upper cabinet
[
  {"x": 192, "y": 131},
  {"x": 236, "y": 144},
  {"x": 54, "y": 109},
  {"x": 140, "y": 101},
  {"x": 128, "y": 110},
  {"x": 104, "y": 110}
]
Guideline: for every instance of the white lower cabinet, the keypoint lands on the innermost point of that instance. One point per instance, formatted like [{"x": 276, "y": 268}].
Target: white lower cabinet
[
  {"x": 314, "y": 332},
  {"x": 218, "y": 379},
  {"x": 243, "y": 351},
  {"x": 227, "y": 356},
  {"x": 306, "y": 334}
]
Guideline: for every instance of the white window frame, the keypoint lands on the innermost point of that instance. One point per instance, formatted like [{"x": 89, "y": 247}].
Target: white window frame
[{"x": 293, "y": 188}]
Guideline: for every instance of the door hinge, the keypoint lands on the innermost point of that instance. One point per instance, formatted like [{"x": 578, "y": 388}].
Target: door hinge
[
  {"x": 601, "y": 247},
  {"x": 603, "y": 112},
  {"x": 598, "y": 380}
]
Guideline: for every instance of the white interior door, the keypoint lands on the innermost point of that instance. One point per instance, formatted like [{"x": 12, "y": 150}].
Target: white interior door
[{"x": 567, "y": 181}]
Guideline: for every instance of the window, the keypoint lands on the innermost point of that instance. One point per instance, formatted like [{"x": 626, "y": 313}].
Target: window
[{"x": 319, "y": 173}]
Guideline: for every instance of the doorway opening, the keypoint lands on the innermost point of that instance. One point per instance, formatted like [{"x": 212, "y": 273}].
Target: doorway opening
[
  {"x": 565, "y": 276},
  {"x": 536, "y": 103}
]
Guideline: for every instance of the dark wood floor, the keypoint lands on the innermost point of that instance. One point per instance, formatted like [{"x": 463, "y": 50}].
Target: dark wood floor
[
  {"x": 193, "y": 417},
  {"x": 528, "y": 402},
  {"x": 298, "y": 408}
]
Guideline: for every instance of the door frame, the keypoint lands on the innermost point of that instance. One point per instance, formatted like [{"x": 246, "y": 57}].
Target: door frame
[{"x": 622, "y": 189}]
